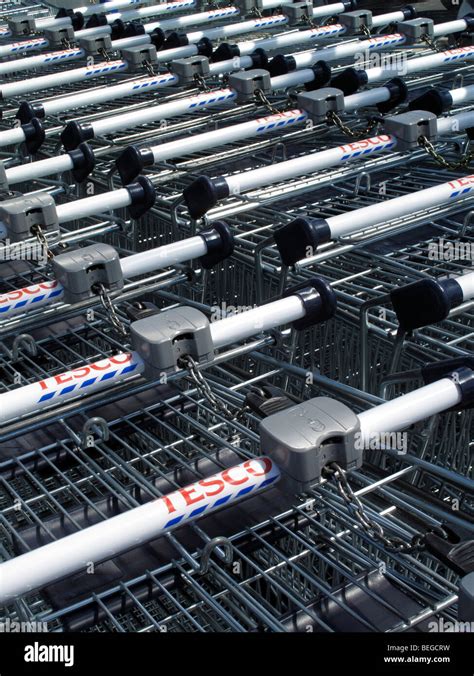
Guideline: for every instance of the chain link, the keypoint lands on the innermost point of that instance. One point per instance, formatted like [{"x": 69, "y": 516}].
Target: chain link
[
  {"x": 373, "y": 529},
  {"x": 255, "y": 12},
  {"x": 201, "y": 82},
  {"x": 464, "y": 162},
  {"x": 204, "y": 390},
  {"x": 308, "y": 21},
  {"x": 431, "y": 43},
  {"x": 334, "y": 117},
  {"x": 37, "y": 231},
  {"x": 365, "y": 30},
  {"x": 110, "y": 309},
  {"x": 103, "y": 52},
  {"x": 261, "y": 98},
  {"x": 148, "y": 67}
]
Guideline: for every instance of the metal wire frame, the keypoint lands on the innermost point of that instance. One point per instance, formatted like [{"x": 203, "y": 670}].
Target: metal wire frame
[
  {"x": 169, "y": 181},
  {"x": 298, "y": 563},
  {"x": 362, "y": 268},
  {"x": 12, "y": 7},
  {"x": 224, "y": 160}
]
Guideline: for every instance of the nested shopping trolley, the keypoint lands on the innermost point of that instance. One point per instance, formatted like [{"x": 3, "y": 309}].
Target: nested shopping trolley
[
  {"x": 236, "y": 378},
  {"x": 272, "y": 562}
]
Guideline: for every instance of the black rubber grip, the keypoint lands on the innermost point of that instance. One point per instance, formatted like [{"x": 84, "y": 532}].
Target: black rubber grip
[
  {"x": 220, "y": 244},
  {"x": 296, "y": 239},
  {"x": 83, "y": 160},
  {"x": 34, "y": 135},
  {"x": 132, "y": 161},
  {"x": 75, "y": 133},
  {"x": 27, "y": 111},
  {"x": 319, "y": 301},
  {"x": 350, "y": 80},
  {"x": 203, "y": 194},
  {"x": 143, "y": 195}
]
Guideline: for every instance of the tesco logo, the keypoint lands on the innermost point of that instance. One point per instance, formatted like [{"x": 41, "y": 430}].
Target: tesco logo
[
  {"x": 199, "y": 492},
  {"x": 365, "y": 143},
  {"x": 27, "y": 291},
  {"x": 467, "y": 181},
  {"x": 85, "y": 371}
]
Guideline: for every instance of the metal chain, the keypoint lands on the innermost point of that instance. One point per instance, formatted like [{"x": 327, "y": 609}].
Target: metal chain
[
  {"x": 40, "y": 236},
  {"x": 371, "y": 527},
  {"x": 66, "y": 43},
  {"x": 431, "y": 43},
  {"x": 334, "y": 117},
  {"x": 262, "y": 99},
  {"x": 255, "y": 12},
  {"x": 366, "y": 31},
  {"x": 201, "y": 82},
  {"x": 148, "y": 67},
  {"x": 103, "y": 52},
  {"x": 308, "y": 21},
  {"x": 203, "y": 388},
  {"x": 464, "y": 162},
  {"x": 110, "y": 309}
]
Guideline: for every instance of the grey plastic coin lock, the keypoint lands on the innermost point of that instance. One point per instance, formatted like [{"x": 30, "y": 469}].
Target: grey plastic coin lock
[
  {"x": 318, "y": 103},
  {"x": 21, "y": 26},
  {"x": 21, "y": 214},
  {"x": 247, "y": 82},
  {"x": 95, "y": 44},
  {"x": 355, "y": 21},
  {"x": 137, "y": 56},
  {"x": 248, "y": 6},
  {"x": 81, "y": 270},
  {"x": 58, "y": 37},
  {"x": 305, "y": 438},
  {"x": 298, "y": 11},
  {"x": 161, "y": 340},
  {"x": 187, "y": 69},
  {"x": 409, "y": 127},
  {"x": 416, "y": 29}
]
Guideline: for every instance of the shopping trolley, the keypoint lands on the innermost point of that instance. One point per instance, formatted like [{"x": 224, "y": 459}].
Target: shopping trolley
[
  {"x": 178, "y": 459},
  {"x": 290, "y": 565}
]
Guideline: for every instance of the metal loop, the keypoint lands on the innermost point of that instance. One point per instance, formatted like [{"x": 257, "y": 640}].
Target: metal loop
[
  {"x": 88, "y": 430},
  {"x": 26, "y": 342},
  {"x": 368, "y": 182},
  {"x": 23, "y": 340},
  {"x": 211, "y": 547}
]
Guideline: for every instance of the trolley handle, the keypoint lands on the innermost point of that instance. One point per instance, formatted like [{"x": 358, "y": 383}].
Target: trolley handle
[
  {"x": 295, "y": 450},
  {"x": 429, "y": 301}
]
